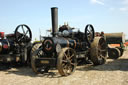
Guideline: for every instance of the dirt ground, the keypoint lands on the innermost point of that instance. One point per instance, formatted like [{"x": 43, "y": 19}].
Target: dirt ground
[{"x": 114, "y": 72}]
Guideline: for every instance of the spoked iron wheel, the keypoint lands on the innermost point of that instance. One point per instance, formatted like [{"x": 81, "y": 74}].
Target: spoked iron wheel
[
  {"x": 67, "y": 61},
  {"x": 23, "y": 34},
  {"x": 98, "y": 51},
  {"x": 89, "y": 33},
  {"x": 37, "y": 68}
]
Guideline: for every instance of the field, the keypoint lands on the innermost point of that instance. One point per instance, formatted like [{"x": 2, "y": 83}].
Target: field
[{"x": 114, "y": 72}]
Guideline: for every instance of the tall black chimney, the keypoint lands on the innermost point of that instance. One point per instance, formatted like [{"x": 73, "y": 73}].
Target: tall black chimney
[{"x": 54, "y": 14}]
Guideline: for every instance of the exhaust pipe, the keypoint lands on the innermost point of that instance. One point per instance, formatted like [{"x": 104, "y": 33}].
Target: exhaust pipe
[{"x": 54, "y": 17}]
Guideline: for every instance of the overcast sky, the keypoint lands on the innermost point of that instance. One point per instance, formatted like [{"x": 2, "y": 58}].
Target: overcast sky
[{"x": 105, "y": 15}]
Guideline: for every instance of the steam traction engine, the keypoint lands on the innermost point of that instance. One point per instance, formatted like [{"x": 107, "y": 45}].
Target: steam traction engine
[
  {"x": 62, "y": 50},
  {"x": 16, "y": 47}
]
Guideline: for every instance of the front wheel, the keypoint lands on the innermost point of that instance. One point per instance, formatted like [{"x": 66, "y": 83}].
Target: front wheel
[{"x": 67, "y": 61}]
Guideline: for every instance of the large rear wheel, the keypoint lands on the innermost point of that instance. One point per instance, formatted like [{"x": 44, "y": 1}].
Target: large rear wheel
[
  {"x": 98, "y": 52},
  {"x": 32, "y": 49},
  {"x": 36, "y": 53}
]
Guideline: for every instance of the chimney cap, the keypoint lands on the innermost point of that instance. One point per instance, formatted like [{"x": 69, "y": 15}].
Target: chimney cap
[{"x": 54, "y": 7}]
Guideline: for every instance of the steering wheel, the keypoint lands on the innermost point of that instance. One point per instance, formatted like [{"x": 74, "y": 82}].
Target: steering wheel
[
  {"x": 23, "y": 34},
  {"x": 89, "y": 33}
]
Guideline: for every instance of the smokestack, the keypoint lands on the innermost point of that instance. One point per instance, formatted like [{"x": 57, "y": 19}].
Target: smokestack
[{"x": 54, "y": 14}]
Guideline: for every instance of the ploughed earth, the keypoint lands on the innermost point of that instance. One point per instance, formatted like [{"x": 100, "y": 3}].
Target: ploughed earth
[{"x": 114, "y": 72}]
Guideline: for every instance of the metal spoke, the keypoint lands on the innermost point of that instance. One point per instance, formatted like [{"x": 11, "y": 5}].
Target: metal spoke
[
  {"x": 64, "y": 61},
  {"x": 89, "y": 32},
  {"x": 23, "y": 29},
  {"x": 20, "y": 38},
  {"x": 68, "y": 53},
  {"x": 65, "y": 55},
  {"x": 26, "y": 32},
  {"x": 71, "y": 56},
  {"x": 72, "y": 64},
  {"x": 65, "y": 68}
]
